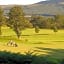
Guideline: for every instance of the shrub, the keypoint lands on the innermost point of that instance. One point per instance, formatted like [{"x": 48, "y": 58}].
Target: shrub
[{"x": 29, "y": 58}]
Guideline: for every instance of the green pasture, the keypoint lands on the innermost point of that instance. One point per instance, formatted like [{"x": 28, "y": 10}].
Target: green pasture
[{"x": 45, "y": 42}]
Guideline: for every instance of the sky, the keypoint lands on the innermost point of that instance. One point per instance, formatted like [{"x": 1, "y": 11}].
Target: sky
[{"x": 19, "y": 2}]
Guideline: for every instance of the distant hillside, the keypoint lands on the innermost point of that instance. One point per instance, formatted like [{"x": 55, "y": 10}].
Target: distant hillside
[
  {"x": 50, "y": 7},
  {"x": 46, "y": 7},
  {"x": 50, "y": 1}
]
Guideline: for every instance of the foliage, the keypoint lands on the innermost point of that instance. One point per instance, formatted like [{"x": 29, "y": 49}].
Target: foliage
[
  {"x": 17, "y": 58},
  {"x": 16, "y": 20},
  {"x": 59, "y": 19},
  {"x": 36, "y": 29},
  {"x": 2, "y": 19},
  {"x": 39, "y": 21},
  {"x": 55, "y": 29},
  {"x": 28, "y": 24},
  {"x": 44, "y": 22},
  {"x": 62, "y": 61}
]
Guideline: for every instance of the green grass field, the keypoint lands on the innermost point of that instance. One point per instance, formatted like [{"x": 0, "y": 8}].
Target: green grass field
[{"x": 45, "y": 42}]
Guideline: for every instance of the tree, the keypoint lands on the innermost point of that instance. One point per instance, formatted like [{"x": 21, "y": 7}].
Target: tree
[
  {"x": 1, "y": 19},
  {"x": 55, "y": 29},
  {"x": 60, "y": 21},
  {"x": 36, "y": 29},
  {"x": 16, "y": 20},
  {"x": 39, "y": 21},
  {"x": 50, "y": 22}
]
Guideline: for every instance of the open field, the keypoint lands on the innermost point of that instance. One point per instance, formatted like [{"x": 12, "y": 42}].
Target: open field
[{"x": 45, "y": 42}]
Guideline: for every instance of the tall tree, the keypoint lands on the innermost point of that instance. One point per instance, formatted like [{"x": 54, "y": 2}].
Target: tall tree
[
  {"x": 16, "y": 20},
  {"x": 1, "y": 19},
  {"x": 39, "y": 21}
]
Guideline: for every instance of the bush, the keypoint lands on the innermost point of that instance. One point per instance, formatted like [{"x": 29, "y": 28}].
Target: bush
[{"x": 17, "y": 58}]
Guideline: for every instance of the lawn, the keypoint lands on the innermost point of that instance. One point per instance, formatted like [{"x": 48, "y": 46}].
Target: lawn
[{"x": 45, "y": 42}]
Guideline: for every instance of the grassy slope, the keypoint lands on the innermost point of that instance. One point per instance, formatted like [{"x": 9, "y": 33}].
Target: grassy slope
[{"x": 45, "y": 42}]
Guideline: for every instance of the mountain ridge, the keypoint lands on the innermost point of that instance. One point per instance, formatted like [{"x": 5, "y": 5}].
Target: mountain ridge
[
  {"x": 49, "y": 7},
  {"x": 50, "y": 1}
]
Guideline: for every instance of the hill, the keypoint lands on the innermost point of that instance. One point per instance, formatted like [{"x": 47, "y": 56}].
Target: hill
[
  {"x": 49, "y": 7},
  {"x": 50, "y": 1}
]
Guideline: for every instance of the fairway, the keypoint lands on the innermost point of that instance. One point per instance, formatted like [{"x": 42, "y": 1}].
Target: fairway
[{"x": 45, "y": 42}]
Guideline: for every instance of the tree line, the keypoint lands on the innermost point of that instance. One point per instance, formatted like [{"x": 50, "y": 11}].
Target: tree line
[
  {"x": 17, "y": 21},
  {"x": 48, "y": 22}
]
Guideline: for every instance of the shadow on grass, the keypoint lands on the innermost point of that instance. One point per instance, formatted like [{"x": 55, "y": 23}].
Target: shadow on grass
[
  {"x": 41, "y": 43},
  {"x": 28, "y": 58},
  {"x": 52, "y": 53},
  {"x": 26, "y": 35},
  {"x": 35, "y": 34},
  {"x": 14, "y": 58},
  {"x": 8, "y": 37},
  {"x": 58, "y": 41},
  {"x": 41, "y": 34}
]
